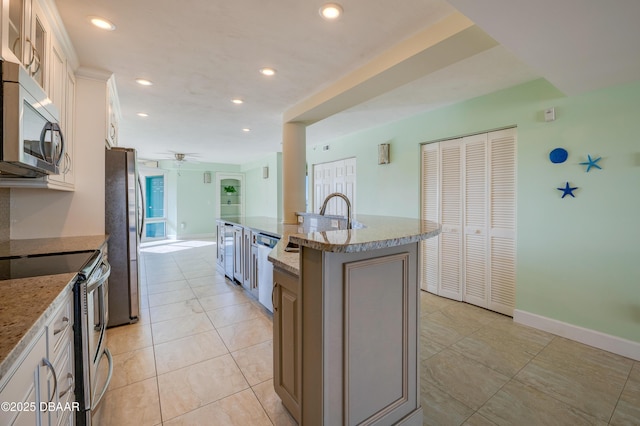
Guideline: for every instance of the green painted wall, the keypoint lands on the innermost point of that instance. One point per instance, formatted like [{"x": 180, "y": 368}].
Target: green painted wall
[
  {"x": 264, "y": 196},
  {"x": 578, "y": 260},
  {"x": 191, "y": 201}
]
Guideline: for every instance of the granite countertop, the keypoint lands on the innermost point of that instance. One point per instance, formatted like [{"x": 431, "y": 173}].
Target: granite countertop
[
  {"x": 268, "y": 225},
  {"x": 16, "y": 248},
  {"x": 378, "y": 232},
  {"x": 26, "y": 304}
]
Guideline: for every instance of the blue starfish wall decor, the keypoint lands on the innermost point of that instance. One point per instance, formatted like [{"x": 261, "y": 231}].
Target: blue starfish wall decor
[
  {"x": 567, "y": 190},
  {"x": 591, "y": 163}
]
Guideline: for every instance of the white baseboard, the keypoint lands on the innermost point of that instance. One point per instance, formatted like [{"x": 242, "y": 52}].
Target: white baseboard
[{"x": 597, "y": 339}]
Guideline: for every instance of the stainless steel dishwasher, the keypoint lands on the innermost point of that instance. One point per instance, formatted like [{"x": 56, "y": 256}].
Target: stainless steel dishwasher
[{"x": 265, "y": 243}]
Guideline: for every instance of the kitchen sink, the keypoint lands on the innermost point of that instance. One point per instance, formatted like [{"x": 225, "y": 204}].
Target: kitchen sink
[{"x": 292, "y": 247}]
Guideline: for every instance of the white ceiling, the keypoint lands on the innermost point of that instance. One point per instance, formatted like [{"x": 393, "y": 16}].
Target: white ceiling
[{"x": 202, "y": 53}]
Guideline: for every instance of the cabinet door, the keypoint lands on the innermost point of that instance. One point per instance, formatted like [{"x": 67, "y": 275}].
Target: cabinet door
[
  {"x": 57, "y": 92},
  {"x": 237, "y": 253},
  {"x": 39, "y": 45},
  {"x": 24, "y": 387},
  {"x": 112, "y": 113},
  {"x": 19, "y": 25},
  {"x": 254, "y": 269},
  {"x": 246, "y": 259},
  {"x": 69, "y": 126},
  {"x": 287, "y": 356},
  {"x": 220, "y": 244}
]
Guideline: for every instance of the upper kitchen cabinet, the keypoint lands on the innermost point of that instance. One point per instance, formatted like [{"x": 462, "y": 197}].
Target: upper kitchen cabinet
[
  {"x": 113, "y": 113},
  {"x": 27, "y": 37},
  {"x": 33, "y": 35}
]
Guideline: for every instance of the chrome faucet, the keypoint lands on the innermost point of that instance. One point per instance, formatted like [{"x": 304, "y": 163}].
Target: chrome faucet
[{"x": 346, "y": 200}]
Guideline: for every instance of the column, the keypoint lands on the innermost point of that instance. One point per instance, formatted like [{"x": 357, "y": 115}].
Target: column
[{"x": 294, "y": 158}]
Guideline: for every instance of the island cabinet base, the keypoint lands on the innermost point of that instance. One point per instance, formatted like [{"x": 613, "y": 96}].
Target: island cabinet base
[
  {"x": 360, "y": 337},
  {"x": 287, "y": 340}
]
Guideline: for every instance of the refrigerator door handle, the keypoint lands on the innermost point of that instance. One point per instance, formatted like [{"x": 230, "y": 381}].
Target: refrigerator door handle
[{"x": 142, "y": 207}]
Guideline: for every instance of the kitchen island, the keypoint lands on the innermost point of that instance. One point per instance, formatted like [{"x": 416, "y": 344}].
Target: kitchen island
[{"x": 346, "y": 323}]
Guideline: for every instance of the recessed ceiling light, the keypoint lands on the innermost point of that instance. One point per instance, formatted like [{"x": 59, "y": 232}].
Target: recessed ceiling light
[
  {"x": 102, "y": 23},
  {"x": 143, "y": 82},
  {"x": 331, "y": 11},
  {"x": 237, "y": 101},
  {"x": 246, "y": 129},
  {"x": 142, "y": 114},
  {"x": 267, "y": 71}
]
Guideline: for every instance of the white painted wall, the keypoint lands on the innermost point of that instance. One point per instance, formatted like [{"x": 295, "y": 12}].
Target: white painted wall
[{"x": 44, "y": 213}]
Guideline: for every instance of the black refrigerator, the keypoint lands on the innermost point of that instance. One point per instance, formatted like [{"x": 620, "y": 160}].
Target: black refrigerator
[{"x": 124, "y": 219}]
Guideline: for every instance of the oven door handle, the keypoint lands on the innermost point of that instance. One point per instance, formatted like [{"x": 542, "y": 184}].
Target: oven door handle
[
  {"x": 106, "y": 353},
  {"x": 97, "y": 282}
]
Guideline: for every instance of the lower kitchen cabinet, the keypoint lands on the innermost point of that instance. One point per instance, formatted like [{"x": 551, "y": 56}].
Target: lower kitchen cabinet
[
  {"x": 44, "y": 375},
  {"x": 220, "y": 244},
  {"x": 238, "y": 269},
  {"x": 287, "y": 343}
]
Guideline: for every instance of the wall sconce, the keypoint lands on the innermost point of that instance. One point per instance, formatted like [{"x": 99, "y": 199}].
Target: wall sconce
[
  {"x": 207, "y": 177},
  {"x": 383, "y": 153},
  {"x": 265, "y": 172}
]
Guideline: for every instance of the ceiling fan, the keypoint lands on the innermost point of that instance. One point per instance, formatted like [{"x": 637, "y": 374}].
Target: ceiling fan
[{"x": 181, "y": 158}]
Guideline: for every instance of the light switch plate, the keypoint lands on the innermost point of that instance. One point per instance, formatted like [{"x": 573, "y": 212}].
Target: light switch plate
[{"x": 550, "y": 114}]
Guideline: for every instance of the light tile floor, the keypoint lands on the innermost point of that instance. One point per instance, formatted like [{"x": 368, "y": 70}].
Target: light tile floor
[{"x": 202, "y": 355}]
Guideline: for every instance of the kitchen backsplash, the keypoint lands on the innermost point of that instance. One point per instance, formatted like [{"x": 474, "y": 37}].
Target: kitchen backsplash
[{"x": 5, "y": 223}]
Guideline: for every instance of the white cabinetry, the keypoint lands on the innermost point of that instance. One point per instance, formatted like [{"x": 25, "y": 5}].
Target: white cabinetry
[
  {"x": 220, "y": 244},
  {"x": 249, "y": 262},
  {"x": 468, "y": 186},
  {"x": 28, "y": 37},
  {"x": 113, "y": 112},
  {"x": 238, "y": 267},
  {"x": 43, "y": 374}
]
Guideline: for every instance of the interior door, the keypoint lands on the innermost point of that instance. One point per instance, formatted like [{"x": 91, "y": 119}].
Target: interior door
[
  {"x": 430, "y": 211},
  {"x": 450, "y": 284},
  {"x": 475, "y": 219}
]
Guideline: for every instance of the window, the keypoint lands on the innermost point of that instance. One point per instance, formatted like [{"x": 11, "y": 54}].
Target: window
[{"x": 155, "y": 208}]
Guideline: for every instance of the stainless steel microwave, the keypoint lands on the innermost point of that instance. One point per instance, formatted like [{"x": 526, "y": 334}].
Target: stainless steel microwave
[{"x": 32, "y": 143}]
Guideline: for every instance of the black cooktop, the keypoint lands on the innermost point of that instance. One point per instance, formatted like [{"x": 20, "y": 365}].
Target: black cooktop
[{"x": 39, "y": 265}]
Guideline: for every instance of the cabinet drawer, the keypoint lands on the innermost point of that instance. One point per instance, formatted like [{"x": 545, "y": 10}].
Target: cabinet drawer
[
  {"x": 64, "y": 368},
  {"x": 61, "y": 322}
]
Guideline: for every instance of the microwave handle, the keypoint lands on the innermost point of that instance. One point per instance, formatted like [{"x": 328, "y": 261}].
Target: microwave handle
[{"x": 55, "y": 128}]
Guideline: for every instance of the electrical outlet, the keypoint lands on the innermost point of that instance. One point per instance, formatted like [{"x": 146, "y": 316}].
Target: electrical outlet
[{"x": 334, "y": 223}]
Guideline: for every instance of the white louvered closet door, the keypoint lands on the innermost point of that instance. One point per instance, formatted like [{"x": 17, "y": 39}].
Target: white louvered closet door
[
  {"x": 469, "y": 187},
  {"x": 502, "y": 233},
  {"x": 430, "y": 211},
  {"x": 475, "y": 220},
  {"x": 450, "y": 284}
]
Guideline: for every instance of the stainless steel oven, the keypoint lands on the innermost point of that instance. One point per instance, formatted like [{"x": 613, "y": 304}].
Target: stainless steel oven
[{"x": 92, "y": 314}]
